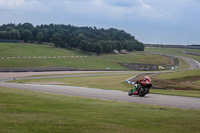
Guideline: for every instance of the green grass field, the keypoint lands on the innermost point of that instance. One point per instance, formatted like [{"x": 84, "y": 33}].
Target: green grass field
[
  {"x": 90, "y": 62},
  {"x": 25, "y": 111},
  {"x": 20, "y": 49}
]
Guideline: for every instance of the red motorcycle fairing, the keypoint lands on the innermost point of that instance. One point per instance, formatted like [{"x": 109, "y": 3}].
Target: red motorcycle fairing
[{"x": 146, "y": 84}]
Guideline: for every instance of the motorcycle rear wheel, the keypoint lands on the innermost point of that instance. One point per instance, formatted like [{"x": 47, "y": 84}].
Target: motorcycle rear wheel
[{"x": 143, "y": 91}]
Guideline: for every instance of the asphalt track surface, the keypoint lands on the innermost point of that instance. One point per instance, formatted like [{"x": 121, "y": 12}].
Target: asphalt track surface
[
  {"x": 193, "y": 63},
  {"x": 152, "y": 99}
]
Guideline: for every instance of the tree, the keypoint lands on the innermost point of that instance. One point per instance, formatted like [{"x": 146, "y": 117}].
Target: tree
[
  {"x": 106, "y": 47},
  {"x": 40, "y": 37},
  {"x": 9, "y": 28},
  {"x": 98, "y": 48},
  {"x": 87, "y": 38},
  {"x": 27, "y": 35},
  {"x": 84, "y": 45},
  {"x": 15, "y": 34},
  {"x": 2, "y": 34},
  {"x": 118, "y": 45},
  {"x": 139, "y": 46},
  {"x": 46, "y": 34},
  {"x": 129, "y": 45},
  {"x": 28, "y": 26},
  {"x": 56, "y": 39},
  {"x": 80, "y": 37}
]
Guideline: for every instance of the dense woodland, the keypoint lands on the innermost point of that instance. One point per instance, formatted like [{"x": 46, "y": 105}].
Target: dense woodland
[{"x": 89, "y": 39}]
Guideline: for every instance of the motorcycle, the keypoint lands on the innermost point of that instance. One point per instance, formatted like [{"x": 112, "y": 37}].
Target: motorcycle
[{"x": 142, "y": 88}]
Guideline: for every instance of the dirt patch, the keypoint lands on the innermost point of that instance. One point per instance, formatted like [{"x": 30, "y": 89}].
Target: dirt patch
[
  {"x": 172, "y": 62},
  {"x": 176, "y": 84}
]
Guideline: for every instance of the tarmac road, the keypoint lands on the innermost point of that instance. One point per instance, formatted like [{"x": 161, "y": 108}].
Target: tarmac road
[
  {"x": 152, "y": 99},
  {"x": 193, "y": 63}
]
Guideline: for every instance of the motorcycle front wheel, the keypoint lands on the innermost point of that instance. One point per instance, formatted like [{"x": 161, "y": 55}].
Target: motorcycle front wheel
[{"x": 130, "y": 93}]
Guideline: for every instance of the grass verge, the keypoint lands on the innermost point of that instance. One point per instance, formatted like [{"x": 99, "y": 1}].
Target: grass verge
[
  {"x": 25, "y": 111},
  {"x": 111, "y": 82},
  {"x": 182, "y": 80}
]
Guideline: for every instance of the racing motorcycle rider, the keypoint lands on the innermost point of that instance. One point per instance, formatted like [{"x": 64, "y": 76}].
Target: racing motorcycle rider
[{"x": 135, "y": 88}]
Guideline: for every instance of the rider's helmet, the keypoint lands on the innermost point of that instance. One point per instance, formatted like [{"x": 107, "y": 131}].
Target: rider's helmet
[{"x": 146, "y": 78}]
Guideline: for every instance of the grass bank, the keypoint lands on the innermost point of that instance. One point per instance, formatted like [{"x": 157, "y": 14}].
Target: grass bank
[
  {"x": 24, "y": 111},
  {"x": 42, "y": 56},
  {"x": 85, "y": 63},
  {"x": 183, "y": 80},
  {"x": 138, "y": 57},
  {"x": 26, "y": 49}
]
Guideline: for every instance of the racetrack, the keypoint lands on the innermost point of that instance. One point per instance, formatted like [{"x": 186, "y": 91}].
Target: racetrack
[
  {"x": 193, "y": 63},
  {"x": 153, "y": 99}
]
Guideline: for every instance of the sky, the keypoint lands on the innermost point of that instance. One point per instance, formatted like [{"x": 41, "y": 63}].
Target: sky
[{"x": 150, "y": 21}]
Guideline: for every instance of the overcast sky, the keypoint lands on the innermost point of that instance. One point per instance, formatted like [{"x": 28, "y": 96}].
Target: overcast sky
[{"x": 150, "y": 21}]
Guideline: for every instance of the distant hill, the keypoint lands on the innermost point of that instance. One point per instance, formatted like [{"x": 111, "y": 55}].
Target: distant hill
[{"x": 89, "y": 39}]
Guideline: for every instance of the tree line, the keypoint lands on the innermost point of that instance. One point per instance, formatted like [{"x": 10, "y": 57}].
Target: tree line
[{"x": 89, "y": 39}]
